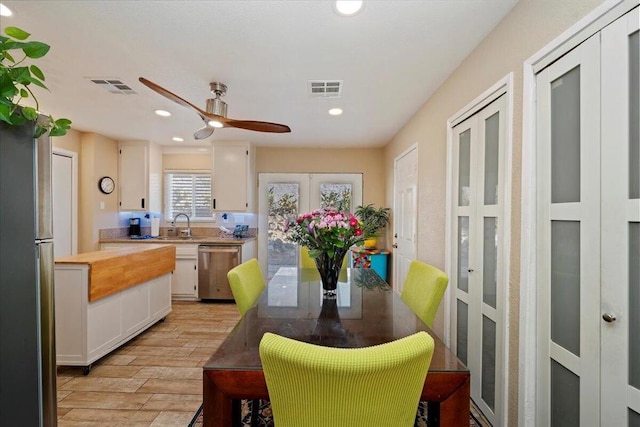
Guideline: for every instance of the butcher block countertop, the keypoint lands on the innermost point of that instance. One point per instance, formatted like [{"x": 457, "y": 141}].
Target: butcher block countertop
[{"x": 114, "y": 270}]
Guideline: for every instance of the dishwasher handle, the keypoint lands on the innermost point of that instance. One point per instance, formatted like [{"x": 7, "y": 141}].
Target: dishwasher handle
[{"x": 214, "y": 248}]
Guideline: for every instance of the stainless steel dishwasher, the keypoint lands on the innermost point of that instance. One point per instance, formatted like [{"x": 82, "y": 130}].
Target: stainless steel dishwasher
[{"x": 214, "y": 261}]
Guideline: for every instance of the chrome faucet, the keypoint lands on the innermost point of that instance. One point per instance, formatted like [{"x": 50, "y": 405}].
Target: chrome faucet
[{"x": 173, "y": 223}]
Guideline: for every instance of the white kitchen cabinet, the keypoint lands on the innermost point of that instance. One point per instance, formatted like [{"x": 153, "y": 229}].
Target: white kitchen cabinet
[
  {"x": 184, "y": 284},
  {"x": 140, "y": 176},
  {"x": 233, "y": 172},
  {"x": 185, "y": 276},
  {"x": 87, "y": 331}
]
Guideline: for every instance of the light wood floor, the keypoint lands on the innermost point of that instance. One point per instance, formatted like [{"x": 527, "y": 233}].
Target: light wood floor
[{"x": 155, "y": 379}]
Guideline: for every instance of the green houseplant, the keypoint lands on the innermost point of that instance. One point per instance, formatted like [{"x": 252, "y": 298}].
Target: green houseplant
[
  {"x": 17, "y": 78},
  {"x": 373, "y": 220}
]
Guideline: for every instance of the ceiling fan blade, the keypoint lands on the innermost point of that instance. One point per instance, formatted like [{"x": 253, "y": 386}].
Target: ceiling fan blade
[
  {"x": 206, "y": 116},
  {"x": 257, "y": 126},
  {"x": 172, "y": 96},
  {"x": 204, "y": 132}
]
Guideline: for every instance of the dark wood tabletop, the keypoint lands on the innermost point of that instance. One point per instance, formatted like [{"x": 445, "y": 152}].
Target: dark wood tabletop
[{"x": 365, "y": 312}]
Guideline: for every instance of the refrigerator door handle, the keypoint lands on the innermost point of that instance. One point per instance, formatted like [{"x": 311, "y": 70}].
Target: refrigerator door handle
[
  {"x": 46, "y": 266},
  {"x": 43, "y": 188}
]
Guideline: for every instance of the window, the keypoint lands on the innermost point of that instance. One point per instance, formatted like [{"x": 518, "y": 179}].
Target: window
[{"x": 188, "y": 192}]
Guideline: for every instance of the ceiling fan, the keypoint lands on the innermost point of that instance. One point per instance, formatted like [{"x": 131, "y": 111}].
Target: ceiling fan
[{"x": 215, "y": 115}]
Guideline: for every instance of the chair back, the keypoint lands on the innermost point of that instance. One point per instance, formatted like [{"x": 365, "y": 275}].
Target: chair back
[
  {"x": 423, "y": 290},
  {"x": 307, "y": 262},
  {"x": 247, "y": 283},
  {"x": 316, "y": 386}
]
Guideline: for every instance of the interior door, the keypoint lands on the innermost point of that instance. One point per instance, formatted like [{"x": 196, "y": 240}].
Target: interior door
[
  {"x": 588, "y": 232},
  {"x": 405, "y": 212},
  {"x": 620, "y": 219},
  {"x": 477, "y": 233},
  {"x": 64, "y": 229}
]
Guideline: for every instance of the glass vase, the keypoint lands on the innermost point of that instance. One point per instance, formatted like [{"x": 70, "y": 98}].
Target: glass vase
[{"x": 329, "y": 269}]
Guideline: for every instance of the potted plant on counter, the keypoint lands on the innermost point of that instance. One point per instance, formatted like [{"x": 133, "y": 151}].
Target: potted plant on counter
[
  {"x": 373, "y": 221},
  {"x": 17, "y": 78}
]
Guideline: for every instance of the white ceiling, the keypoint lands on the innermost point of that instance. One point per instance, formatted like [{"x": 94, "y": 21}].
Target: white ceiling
[{"x": 391, "y": 57}]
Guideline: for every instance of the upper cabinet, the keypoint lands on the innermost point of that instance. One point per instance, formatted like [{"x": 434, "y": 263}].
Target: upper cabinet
[
  {"x": 140, "y": 176},
  {"x": 233, "y": 171}
]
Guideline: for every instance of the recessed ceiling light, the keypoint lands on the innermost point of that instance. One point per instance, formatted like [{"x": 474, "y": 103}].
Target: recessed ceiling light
[
  {"x": 335, "y": 111},
  {"x": 348, "y": 7},
  {"x": 215, "y": 124},
  {"x": 5, "y": 11},
  {"x": 177, "y": 139}
]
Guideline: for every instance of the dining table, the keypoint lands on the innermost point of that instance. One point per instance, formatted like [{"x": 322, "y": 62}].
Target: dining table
[{"x": 364, "y": 311}]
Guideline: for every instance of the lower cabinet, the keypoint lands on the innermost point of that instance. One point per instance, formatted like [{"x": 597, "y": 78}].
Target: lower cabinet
[
  {"x": 87, "y": 331},
  {"x": 184, "y": 285},
  {"x": 185, "y": 276}
]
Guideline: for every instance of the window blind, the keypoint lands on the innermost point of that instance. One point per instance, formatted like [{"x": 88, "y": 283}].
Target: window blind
[{"x": 188, "y": 192}]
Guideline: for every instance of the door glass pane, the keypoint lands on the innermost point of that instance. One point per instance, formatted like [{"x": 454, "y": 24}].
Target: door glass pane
[
  {"x": 489, "y": 362},
  {"x": 634, "y": 113},
  {"x": 565, "y": 138},
  {"x": 634, "y": 304},
  {"x": 491, "y": 152},
  {"x": 565, "y": 396},
  {"x": 490, "y": 262},
  {"x": 463, "y": 253},
  {"x": 634, "y": 418},
  {"x": 336, "y": 195},
  {"x": 283, "y": 205},
  {"x": 462, "y": 320},
  {"x": 464, "y": 169},
  {"x": 565, "y": 284}
]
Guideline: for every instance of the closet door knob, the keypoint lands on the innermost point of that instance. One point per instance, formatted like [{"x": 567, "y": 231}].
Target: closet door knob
[{"x": 609, "y": 317}]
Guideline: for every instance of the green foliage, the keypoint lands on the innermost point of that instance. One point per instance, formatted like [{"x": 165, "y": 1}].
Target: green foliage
[
  {"x": 373, "y": 220},
  {"x": 17, "y": 80}
]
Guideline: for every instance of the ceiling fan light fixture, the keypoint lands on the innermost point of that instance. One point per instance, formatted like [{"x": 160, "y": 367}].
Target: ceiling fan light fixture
[
  {"x": 162, "y": 113},
  {"x": 335, "y": 111},
  {"x": 215, "y": 124},
  {"x": 5, "y": 11},
  {"x": 348, "y": 7}
]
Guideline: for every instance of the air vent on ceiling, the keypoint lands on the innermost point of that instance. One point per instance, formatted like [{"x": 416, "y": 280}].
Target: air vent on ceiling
[
  {"x": 325, "y": 88},
  {"x": 113, "y": 86}
]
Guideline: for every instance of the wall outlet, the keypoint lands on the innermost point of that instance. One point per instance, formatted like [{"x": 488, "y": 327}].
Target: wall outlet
[{"x": 101, "y": 205}]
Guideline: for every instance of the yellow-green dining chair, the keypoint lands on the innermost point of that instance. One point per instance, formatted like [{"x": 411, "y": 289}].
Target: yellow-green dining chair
[
  {"x": 247, "y": 283},
  {"x": 316, "y": 386},
  {"x": 423, "y": 290}
]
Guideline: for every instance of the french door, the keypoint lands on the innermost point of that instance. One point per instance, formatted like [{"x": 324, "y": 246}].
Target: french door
[
  {"x": 588, "y": 232},
  {"x": 477, "y": 232},
  {"x": 283, "y": 196}
]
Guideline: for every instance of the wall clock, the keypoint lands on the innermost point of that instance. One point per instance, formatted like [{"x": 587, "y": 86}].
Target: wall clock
[{"x": 106, "y": 185}]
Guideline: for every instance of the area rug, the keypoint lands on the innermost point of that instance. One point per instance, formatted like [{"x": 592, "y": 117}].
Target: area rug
[{"x": 476, "y": 419}]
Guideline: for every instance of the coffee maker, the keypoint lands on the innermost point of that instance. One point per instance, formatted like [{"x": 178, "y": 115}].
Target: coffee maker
[{"x": 134, "y": 227}]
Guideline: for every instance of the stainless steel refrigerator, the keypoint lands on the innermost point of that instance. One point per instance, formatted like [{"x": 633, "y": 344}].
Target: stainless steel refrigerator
[{"x": 27, "y": 330}]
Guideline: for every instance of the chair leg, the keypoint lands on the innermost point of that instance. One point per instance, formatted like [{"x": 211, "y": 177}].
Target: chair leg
[{"x": 255, "y": 407}]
